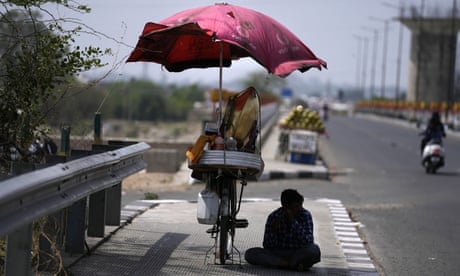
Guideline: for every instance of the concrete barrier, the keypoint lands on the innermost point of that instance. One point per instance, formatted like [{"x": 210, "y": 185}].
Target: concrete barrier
[{"x": 163, "y": 160}]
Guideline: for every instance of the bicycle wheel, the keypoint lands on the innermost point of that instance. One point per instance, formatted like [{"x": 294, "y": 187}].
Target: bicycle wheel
[
  {"x": 227, "y": 228},
  {"x": 224, "y": 238}
]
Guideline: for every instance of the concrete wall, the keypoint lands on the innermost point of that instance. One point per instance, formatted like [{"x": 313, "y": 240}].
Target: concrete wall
[
  {"x": 162, "y": 157},
  {"x": 165, "y": 157}
]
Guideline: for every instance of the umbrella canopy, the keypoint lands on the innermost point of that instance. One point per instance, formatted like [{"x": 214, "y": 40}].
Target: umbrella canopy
[{"x": 213, "y": 36}]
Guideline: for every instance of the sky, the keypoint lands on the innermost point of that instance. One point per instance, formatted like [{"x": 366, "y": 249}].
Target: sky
[{"x": 332, "y": 29}]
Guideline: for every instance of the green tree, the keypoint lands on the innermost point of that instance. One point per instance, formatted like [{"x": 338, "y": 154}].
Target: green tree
[
  {"x": 182, "y": 99},
  {"x": 76, "y": 109},
  {"x": 135, "y": 100},
  {"x": 38, "y": 63},
  {"x": 132, "y": 100}
]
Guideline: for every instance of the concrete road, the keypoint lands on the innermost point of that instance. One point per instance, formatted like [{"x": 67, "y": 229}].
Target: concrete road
[{"x": 409, "y": 217}]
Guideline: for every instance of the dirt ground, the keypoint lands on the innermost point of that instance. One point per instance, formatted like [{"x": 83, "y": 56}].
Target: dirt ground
[
  {"x": 151, "y": 182},
  {"x": 157, "y": 181}
]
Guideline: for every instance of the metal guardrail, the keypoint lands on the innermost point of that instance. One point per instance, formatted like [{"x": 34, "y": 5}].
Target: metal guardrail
[{"x": 28, "y": 197}]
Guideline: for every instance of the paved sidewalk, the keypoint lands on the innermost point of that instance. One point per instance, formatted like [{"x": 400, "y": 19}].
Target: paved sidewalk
[{"x": 167, "y": 240}]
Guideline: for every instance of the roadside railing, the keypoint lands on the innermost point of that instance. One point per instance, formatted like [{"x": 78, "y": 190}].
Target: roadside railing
[
  {"x": 80, "y": 196},
  {"x": 416, "y": 112}
]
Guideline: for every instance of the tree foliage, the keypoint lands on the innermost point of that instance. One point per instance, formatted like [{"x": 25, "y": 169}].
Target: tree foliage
[
  {"x": 134, "y": 100},
  {"x": 38, "y": 63}
]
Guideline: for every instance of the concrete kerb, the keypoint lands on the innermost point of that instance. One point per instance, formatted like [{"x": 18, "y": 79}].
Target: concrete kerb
[{"x": 301, "y": 174}]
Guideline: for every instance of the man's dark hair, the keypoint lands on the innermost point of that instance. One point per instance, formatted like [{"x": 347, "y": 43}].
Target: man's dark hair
[{"x": 290, "y": 196}]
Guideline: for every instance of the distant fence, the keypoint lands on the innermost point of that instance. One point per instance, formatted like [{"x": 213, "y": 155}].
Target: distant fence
[
  {"x": 419, "y": 112},
  {"x": 75, "y": 194}
]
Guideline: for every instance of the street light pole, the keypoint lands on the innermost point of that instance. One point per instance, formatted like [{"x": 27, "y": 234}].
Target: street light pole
[
  {"x": 419, "y": 50},
  {"x": 384, "y": 58},
  {"x": 359, "y": 39},
  {"x": 453, "y": 47},
  {"x": 374, "y": 59},
  {"x": 384, "y": 54},
  {"x": 398, "y": 60},
  {"x": 400, "y": 42},
  {"x": 366, "y": 41}
]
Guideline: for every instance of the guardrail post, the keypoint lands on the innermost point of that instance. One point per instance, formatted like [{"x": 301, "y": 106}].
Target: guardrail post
[
  {"x": 19, "y": 167},
  {"x": 18, "y": 256},
  {"x": 96, "y": 216},
  {"x": 113, "y": 194},
  {"x": 97, "y": 128},
  {"x": 113, "y": 213},
  {"x": 65, "y": 141},
  {"x": 75, "y": 227}
]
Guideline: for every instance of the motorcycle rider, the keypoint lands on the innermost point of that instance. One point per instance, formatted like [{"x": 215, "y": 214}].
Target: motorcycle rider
[{"x": 434, "y": 131}]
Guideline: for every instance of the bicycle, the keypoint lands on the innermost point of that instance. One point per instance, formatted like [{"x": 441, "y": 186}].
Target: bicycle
[{"x": 220, "y": 163}]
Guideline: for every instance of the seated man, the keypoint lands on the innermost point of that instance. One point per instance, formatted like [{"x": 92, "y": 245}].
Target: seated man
[{"x": 288, "y": 238}]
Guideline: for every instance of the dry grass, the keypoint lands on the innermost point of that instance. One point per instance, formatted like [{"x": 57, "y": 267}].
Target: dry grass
[
  {"x": 152, "y": 182},
  {"x": 147, "y": 182},
  {"x": 155, "y": 132}
]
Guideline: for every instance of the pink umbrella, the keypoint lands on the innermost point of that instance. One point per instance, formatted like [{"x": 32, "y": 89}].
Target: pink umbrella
[{"x": 213, "y": 36}]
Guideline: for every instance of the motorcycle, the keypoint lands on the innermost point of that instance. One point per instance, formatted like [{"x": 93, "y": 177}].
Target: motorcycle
[{"x": 433, "y": 156}]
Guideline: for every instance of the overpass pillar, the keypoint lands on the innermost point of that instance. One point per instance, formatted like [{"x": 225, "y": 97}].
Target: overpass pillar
[{"x": 432, "y": 58}]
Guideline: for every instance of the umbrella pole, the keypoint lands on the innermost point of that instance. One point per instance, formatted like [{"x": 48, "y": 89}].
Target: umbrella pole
[{"x": 219, "y": 115}]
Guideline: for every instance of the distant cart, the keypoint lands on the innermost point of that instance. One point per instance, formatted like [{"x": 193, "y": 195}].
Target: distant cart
[{"x": 298, "y": 146}]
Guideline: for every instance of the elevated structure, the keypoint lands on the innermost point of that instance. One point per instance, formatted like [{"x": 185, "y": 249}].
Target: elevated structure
[{"x": 432, "y": 58}]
